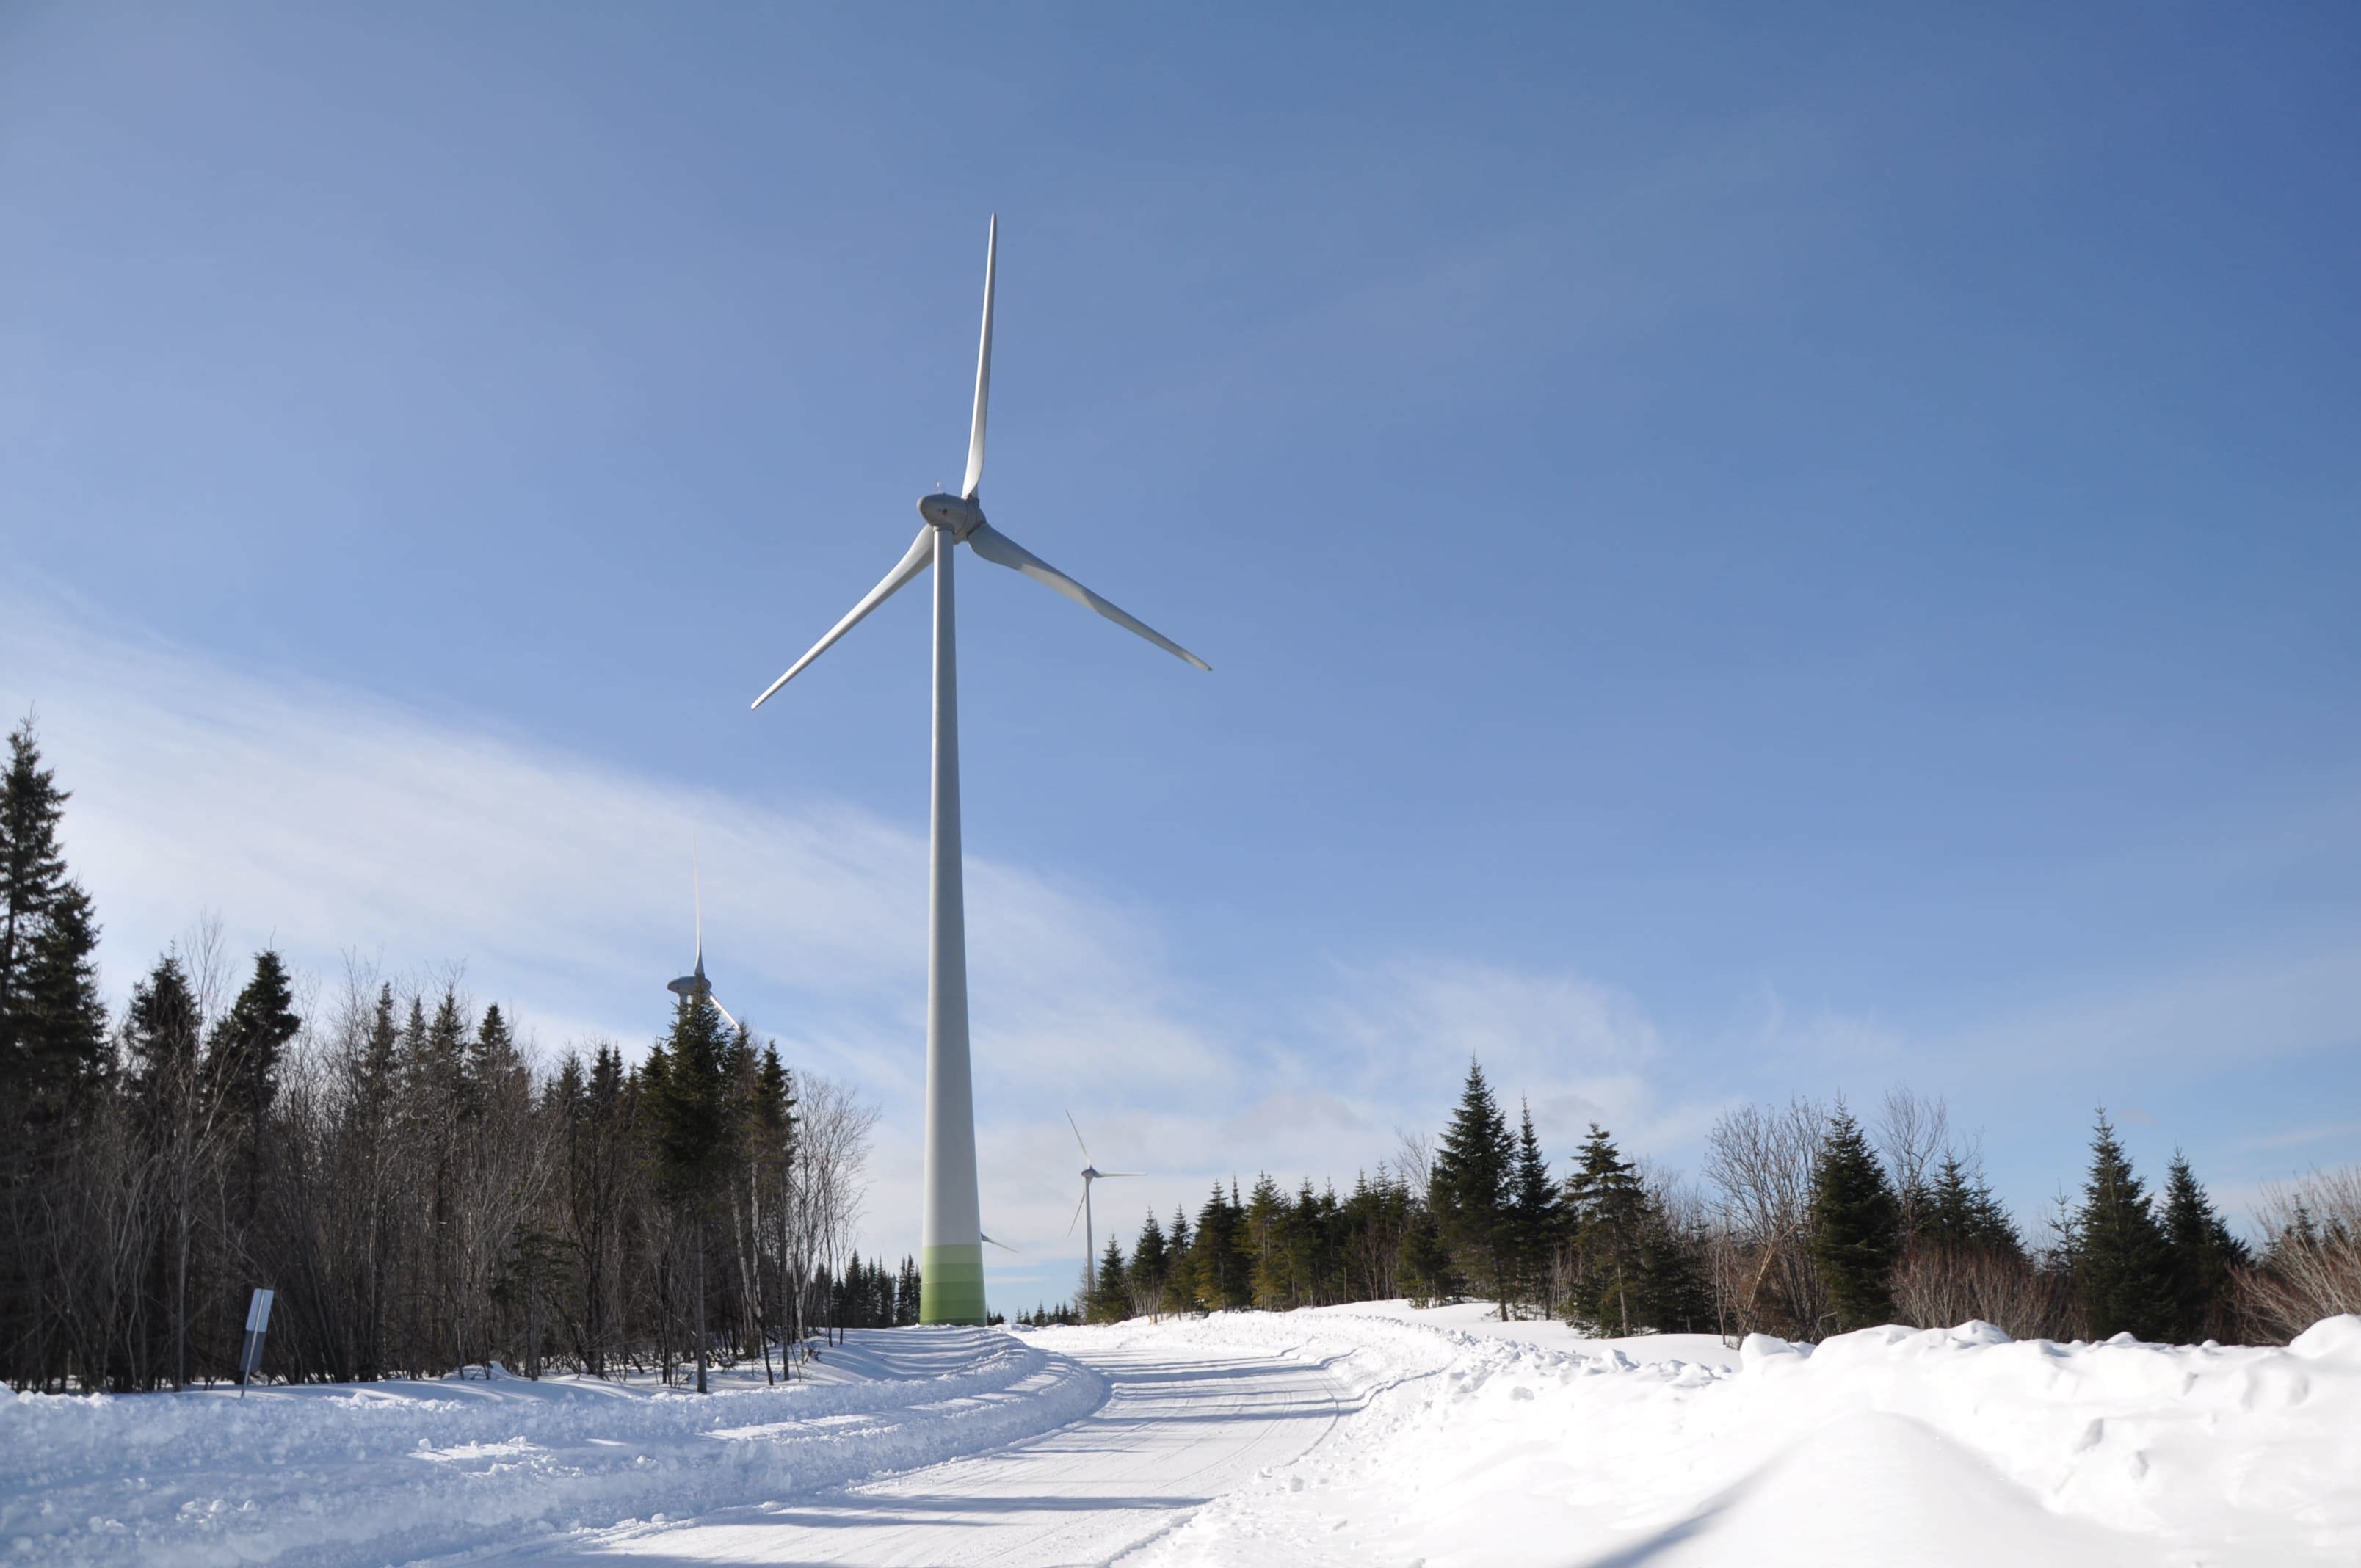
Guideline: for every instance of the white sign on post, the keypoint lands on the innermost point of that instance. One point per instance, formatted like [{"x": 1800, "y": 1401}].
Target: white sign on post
[{"x": 258, "y": 1319}]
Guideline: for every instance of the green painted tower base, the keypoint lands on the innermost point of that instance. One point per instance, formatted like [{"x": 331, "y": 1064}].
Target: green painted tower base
[{"x": 951, "y": 1285}]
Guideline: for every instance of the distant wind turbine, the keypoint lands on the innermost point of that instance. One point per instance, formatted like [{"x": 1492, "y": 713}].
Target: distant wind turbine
[
  {"x": 950, "y": 1253},
  {"x": 693, "y": 982},
  {"x": 1091, "y": 1173}
]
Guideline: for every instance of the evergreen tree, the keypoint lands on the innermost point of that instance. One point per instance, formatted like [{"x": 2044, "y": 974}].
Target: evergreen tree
[
  {"x": 52, "y": 1025},
  {"x": 1263, "y": 1246},
  {"x": 1427, "y": 1266},
  {"x": 1109, "y": 1300},
  {"x": 32, "y": 876},
  {"x": 1148, "y": 1265},
  {"x": 492, "y": 1070},
  {"x": 439, "y": 1057},
  {"x": 1856, "y": 1225},
  {"x": 160, "y": 1031},
  {"x": 242, "y": 1059},
  {"x": 1962, "y": 1215},
  {"x": 905, "y": 1294},
  {"x": 1533, "y": 1210},
  {"x": 1218, "y": 1255},
  {"x": 1675, "y": 1295},
  {"x": 2199, "y": 1252},
  {"x": 1606, "y": 1210},
  {"x": 2121, "y": 1272},
  {"x": 695, "y": 1135},
  {"x": 1181, "y": 1290},
  {"x": 241, "y": 1067},
  {"x": 1470, "y": 1194}
]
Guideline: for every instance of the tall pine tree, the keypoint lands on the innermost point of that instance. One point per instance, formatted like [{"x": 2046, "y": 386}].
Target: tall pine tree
[
  {"x": 1470, "y": 1193},
  {"x": 2199, "y": 1252},
  {"x": 695, "y": 1134},
  {"x": 241, "y": 1070},
  {"x": 2122, "y": 1273},
  {"x": 52, "y": 1025},
  {"x": 1533, "y": 1210},
  {"x": 1607, "y": 1211},
  {"x": 1856, "y": 1225}
]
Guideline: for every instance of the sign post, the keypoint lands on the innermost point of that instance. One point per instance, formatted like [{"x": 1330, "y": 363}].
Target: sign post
[{"x": 257, "y": 1319}]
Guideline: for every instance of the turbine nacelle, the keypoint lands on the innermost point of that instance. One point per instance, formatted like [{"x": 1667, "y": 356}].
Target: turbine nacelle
[{"x": 960, "y": 514}]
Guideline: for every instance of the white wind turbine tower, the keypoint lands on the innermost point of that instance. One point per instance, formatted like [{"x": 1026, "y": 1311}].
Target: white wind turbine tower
[
  {"x": 950, "y": 1253},
  {"x": 693, "y": 982},
  {"x": 1091, "y": 1173}
]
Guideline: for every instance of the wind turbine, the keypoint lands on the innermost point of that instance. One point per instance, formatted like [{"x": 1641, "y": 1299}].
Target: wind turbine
[
  {"x": 951, "y": 1252},
  {"x": 1083, "y": 1210},
  {"x": 693, "y": 982}
]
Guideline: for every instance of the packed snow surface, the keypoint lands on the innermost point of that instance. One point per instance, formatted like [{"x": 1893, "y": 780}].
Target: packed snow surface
[{"x": 1379, "y": 1434}]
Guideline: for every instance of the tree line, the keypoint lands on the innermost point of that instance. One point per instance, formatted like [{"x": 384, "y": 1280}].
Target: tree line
[
  {"x": 422, "y": 1196},
  {"x": 1809, "y": 1223}
]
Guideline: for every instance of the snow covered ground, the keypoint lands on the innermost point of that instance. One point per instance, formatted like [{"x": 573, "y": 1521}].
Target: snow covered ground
[{"x": 1369, "y": 1435}]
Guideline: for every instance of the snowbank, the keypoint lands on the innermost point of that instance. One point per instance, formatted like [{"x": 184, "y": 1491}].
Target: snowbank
[
  {"x": 1890, "y": 1445},
  {"x": 408, "y": 1469},
  {"x": 1482, "y": 1320}
]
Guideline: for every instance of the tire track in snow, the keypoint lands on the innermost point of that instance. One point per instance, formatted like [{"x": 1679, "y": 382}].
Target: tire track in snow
[{"x": 1175, "y": 1430}]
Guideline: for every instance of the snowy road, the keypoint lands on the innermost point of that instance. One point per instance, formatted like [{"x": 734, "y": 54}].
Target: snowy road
[{"x": 1174, "y": 1433}]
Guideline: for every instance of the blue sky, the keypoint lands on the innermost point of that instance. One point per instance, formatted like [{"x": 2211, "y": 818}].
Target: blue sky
[{"x": 1741, "y": 554}]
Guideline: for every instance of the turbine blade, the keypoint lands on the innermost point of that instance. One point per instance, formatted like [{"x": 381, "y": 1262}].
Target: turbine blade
[
  {"x": 733, "y": 1023},
  {"x": 1078, "y": 1138},
  {"x": 1002, "y": 1245},
  {"x": 982, "y": 366},
  {"x": 1077, "y": 1210},
  {"x": 1104, "y": 1174},
  {"x": 921, "y": 556},
  {"x": 1001, "y": 550},
  {"x": 697, "y": 881}
]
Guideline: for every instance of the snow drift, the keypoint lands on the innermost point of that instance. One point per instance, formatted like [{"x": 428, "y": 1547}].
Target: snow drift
[{"x": 1888, "y": 1446}]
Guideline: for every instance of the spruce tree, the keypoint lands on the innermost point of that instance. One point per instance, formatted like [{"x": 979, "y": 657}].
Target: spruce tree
[
  {"x": 1427, "y": 1266},
  {"x": 2199, "y": 1252},
  {"x": 1218, "y": 1255},
  {"x": 1150, "y": 1264},
  {"x": 241, "y": 1067},
  {"x": 61, "y": 1031},
  {"x": 1675, "y": 1295},
  {"x": 1856, "y": 1225},
  {"x": 493, "y": 1070},
  {"x": 1262, "y": 1246},
  {"x": 1109, "y": 1300},
  {"x": 52, "y": 1026},
  {"x": 2121, "y": 1272},
  {"x": 1606, "y": 1210},
  {"x": 1533, "y": 1210},
  {"x": 695, "y": 1134},
  {"x": 160, "y": 1031},
  {"x": 1961, "y": 1214},
  {"x": 32, "y": 875},
  {"x": 1470, "y": 1193}
]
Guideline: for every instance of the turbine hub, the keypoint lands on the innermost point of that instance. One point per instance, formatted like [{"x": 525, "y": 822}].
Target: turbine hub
[{"x": 959, "y": 513}]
